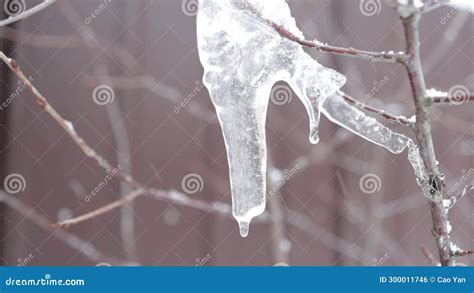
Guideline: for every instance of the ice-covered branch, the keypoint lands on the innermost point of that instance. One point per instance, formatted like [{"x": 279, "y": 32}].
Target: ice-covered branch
[
  {"x": 390, "y": 57},
  {"x": 24, "y": 14}
]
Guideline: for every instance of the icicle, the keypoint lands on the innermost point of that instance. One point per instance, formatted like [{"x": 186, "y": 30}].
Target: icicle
[
  {"x": 243, "y": 58},
  {"x": 356, "y": 121}
]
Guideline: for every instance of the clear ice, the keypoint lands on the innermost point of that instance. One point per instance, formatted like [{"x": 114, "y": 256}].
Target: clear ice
[
  {"x": 338, "y": 111},
  {"x": 243, "y": 58}
]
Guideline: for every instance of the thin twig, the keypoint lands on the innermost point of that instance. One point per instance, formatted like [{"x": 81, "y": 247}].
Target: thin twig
[
  {"x": 100, "y": 211},
  {"x": 27, "y": 13},
  {"x": 351, "y": 52},
  {"x": 461, "y": 253},
  {"x": 449, "y": 100},
  {"x": 71, "y": 240},
  {"x": 392, "y": 118}
]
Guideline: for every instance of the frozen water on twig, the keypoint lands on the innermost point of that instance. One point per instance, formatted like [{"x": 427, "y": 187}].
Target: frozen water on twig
[{"x": 242, "y": 59}]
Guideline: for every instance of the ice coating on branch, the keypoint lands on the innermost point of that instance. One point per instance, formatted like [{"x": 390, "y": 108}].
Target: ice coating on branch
[
  {"x": 243, "y": 58},
  {"x": 342, "y": 113}
]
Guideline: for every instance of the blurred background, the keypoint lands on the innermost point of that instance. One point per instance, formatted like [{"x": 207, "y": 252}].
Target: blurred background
[{"x": 159, "y": 126}]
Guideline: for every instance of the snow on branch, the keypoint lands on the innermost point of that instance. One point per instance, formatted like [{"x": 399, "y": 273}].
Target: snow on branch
[{"x": 390, "y": 57}]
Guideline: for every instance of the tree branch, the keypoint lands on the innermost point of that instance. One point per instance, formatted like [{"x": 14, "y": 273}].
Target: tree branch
[
  {"x": 392, "y": 118},
  {"x": 422, "y": 130},
  {"x": 389, "y": 57}
]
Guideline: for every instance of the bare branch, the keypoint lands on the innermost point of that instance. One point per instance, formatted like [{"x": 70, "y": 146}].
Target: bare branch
[
  {"x": 100, "y": 211},
  {"x": 422, "y": 130},
  {"x": 27, "y": 13},
  {"x": 71, "y": 240},
  {"x": 392, "y": 118},
  {"x": 389, "y": 57},
  {"x": 449, "y": 101}
]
